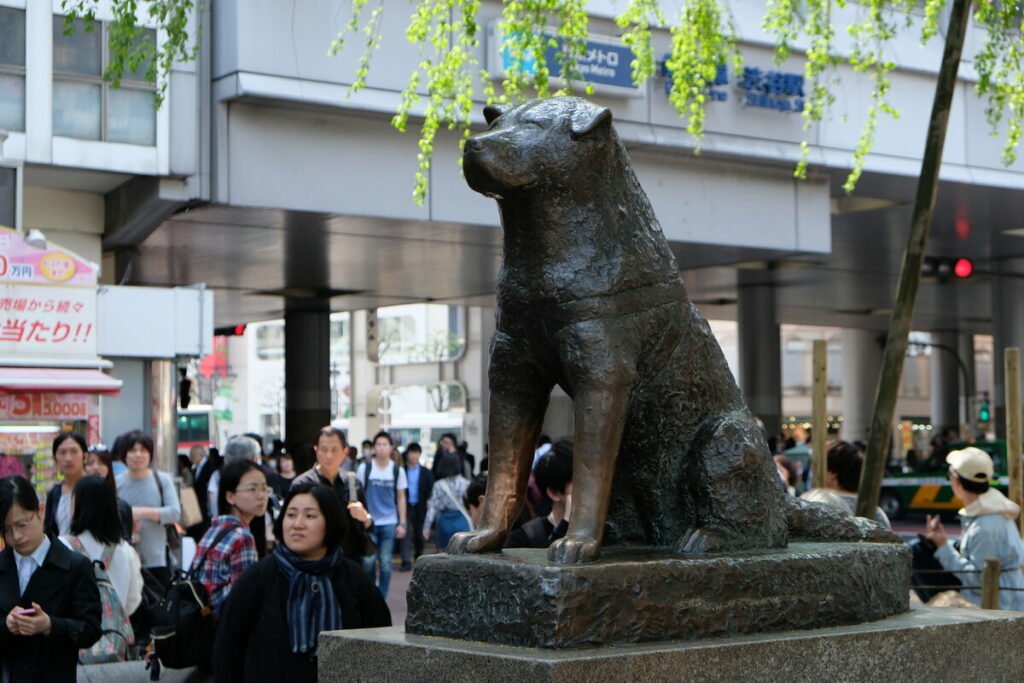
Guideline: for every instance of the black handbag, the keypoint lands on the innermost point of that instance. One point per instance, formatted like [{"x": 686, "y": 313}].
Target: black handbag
[{"x": 183, "y": 627}]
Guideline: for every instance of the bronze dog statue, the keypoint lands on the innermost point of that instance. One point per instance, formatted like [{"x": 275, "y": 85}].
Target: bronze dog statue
[{"x": 589, "y": 297}]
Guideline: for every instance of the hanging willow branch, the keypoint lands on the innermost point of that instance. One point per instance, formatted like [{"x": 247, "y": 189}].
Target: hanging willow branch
[{"x": 448, "y": 79}]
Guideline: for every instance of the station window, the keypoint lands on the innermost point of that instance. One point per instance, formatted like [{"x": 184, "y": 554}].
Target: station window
[
  {"x": 12, "y": 69},
  {"x": 87, "y": 107}
]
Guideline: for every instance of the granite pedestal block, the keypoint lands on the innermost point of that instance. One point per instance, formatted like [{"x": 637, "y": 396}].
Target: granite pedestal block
[
  {"x": 926, "y": 645},
  {"x": 517, "y": 598}
]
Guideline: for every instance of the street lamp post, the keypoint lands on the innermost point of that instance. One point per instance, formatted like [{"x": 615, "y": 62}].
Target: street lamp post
[{"x": 968, "y": 407}]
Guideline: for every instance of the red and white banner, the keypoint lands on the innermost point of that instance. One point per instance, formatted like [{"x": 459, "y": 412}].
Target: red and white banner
[
  {"x": 47, "y": 406},
  {"x": 47, "y": 301}
]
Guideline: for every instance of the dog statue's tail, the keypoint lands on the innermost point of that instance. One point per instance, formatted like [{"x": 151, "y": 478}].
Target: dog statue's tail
[{"x": 818, "y": 522}]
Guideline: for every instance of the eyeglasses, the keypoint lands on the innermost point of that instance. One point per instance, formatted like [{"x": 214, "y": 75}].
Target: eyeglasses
[
  {"x": 20, "y": 525},
  {"x": 258, "y": 489}
]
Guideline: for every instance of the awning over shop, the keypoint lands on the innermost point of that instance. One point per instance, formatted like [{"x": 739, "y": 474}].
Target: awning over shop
[{"x": 68, "y": 380}]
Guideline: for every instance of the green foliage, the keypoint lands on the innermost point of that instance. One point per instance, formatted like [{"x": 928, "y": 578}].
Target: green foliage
[
  {"x": 128, "y": 48},
  {"x": 700, "y": 43},
  {"x": 1000, "y": 76},
  {"x": 448, "y": 79}
]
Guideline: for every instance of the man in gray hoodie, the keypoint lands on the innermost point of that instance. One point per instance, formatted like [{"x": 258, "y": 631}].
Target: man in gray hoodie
[{"x": 988, "y": 520}]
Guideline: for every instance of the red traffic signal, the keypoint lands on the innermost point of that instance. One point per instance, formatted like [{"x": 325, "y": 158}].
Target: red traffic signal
[
  {"x": 963, "y": 268},
  {"x": 943, "y": 269},
  {"x": 229, "y": 331}
]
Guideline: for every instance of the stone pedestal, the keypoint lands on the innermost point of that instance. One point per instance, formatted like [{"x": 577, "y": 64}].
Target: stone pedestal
[
  {"x": 517, "y": 598},
  {"x": 926, "y": 645}
]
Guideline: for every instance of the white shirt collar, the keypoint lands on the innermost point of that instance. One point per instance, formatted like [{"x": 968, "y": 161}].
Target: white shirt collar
[{"x": 39, "y": 556}]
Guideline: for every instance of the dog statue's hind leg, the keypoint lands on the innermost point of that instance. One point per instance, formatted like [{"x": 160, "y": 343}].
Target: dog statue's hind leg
[{"x": 519, "y": 399}]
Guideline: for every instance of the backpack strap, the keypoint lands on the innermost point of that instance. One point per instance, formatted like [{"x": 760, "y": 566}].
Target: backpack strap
[
  {"x": 394, "y": 473},
  {"x": 202, "y": 558},
  {"x": 76, "y": 544},
  {"x": 108, "y": 555}
]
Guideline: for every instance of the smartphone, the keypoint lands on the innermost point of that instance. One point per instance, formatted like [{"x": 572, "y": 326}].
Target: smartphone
[{"x": 27, "y": 612}]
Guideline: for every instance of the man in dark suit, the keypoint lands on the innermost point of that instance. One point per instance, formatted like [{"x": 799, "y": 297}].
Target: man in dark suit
[
  {"x": 421, "y": 483},
  {"x": 203, "y": 466}
]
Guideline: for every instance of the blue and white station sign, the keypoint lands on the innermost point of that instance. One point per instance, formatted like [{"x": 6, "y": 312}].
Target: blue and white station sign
[
  {"x": 763, "y": 88},
  {"x": 605, "y": 65}
]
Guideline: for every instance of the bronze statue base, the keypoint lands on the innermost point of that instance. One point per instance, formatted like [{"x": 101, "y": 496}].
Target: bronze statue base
[{"x": 632, "y": 596}]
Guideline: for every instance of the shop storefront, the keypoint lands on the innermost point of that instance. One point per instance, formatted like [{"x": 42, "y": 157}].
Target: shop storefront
[{"x": 50, "y": 375}]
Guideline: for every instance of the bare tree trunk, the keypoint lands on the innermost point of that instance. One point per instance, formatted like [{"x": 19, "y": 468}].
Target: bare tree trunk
[{"x": 910, "y": 270}]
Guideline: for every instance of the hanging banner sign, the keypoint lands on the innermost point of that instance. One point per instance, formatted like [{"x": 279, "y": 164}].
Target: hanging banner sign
[{"x": 47, "y": 301}]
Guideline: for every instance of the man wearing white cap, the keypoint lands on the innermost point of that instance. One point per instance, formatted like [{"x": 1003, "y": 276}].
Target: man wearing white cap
[{"x": 988, "y": 520}]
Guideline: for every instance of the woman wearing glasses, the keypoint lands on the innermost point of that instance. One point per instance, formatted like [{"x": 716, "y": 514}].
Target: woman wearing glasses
[
  {"x": 228, "y": 548},
  {"x": 49, "y": 602}
]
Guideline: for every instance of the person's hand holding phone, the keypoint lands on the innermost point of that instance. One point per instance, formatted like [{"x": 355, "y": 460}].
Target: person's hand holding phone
[{"x": 29, "y": 621}]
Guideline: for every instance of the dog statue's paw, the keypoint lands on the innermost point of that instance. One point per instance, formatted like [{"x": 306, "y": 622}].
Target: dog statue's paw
[
  {"x": 701, "y": 541},
  {"x": 575, "y": 549},
  {"x": 479, "y": 541}
]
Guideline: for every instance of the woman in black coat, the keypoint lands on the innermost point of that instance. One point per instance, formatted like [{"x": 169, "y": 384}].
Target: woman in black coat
[
  {"x": 270, "y": 625},
  {"x": 48, "y": 596}
]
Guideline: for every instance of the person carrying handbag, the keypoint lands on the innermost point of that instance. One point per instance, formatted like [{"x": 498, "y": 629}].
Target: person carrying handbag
[{"x": 155, "y": 506}]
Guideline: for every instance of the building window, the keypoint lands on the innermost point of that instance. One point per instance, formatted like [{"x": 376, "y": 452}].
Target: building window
[
  {"x": 84, "y": 105},
  {"x": 12, "y": 69}
]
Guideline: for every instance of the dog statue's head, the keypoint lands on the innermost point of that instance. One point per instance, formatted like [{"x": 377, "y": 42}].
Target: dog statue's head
[{"x": 541, "y": 143}]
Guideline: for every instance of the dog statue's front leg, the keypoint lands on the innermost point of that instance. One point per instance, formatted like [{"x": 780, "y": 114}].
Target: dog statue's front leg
[
  {"x": 519, "y": 399},
  {"x": 600, "y": 356}
]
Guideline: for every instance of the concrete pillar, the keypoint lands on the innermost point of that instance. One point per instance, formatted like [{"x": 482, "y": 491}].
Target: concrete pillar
[
  {"x": 760, "y": 353},
  {"x": 1007, "y": 329},
  {"x": 163, "y": 414},
  {"x": 307, "y": 371},
  {"x": 862, "y": 361},
  {"x": 945, "y": 381}
]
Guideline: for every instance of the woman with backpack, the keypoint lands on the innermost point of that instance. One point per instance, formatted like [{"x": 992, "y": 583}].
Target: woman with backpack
[
  {"x": 96, "y": 534},
  {"x": 228, "y": 548},
  {"x": 445, "y": 504},
  {"x": 154, "y": 501},
  {"x": 270, "y": 625},
  {"x": 99, "y": 463},
  {"x": 49, "y": 603}
]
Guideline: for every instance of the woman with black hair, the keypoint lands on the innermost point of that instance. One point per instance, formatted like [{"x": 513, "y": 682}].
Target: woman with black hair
[
  {"x": 154, "y": 501},
  {"x": 96, "y": 533},
  {"x": 228, "y": 548},
  {"x": 100, "y": 463},
  {"x": 69, "y": 455},
  {"x": 48, "y": 596},
  {"x": 445, "y": 504},
  {"x": 270, "y": 625}
]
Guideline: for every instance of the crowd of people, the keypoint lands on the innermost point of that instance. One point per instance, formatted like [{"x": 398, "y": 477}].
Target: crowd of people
[
  {"x": 283, "y": 555},
  {"x": 280, "y": 555}
]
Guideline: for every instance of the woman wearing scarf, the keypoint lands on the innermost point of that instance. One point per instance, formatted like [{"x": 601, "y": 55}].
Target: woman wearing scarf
[{"x": 270, "y": 625}]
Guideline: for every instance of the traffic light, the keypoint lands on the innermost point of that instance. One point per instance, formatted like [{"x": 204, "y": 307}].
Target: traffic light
[
  {"x": 944, "y": 269},
  {"x": 229, "y": 331},
  {"x": 984, "y": 412}
]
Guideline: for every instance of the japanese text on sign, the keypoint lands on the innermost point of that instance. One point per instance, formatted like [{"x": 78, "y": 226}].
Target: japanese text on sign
[
  {"x": 772, "y": 89},
  {"x": 47, "y": 320}
]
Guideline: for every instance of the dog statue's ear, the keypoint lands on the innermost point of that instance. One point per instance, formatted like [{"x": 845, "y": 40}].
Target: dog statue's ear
[
  {"x": 588, "y": 120},
  {"x": 491, "y": 112}
]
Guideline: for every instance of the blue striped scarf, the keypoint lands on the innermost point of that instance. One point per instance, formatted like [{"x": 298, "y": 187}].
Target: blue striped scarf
[{"x": 312, "y": 605}]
